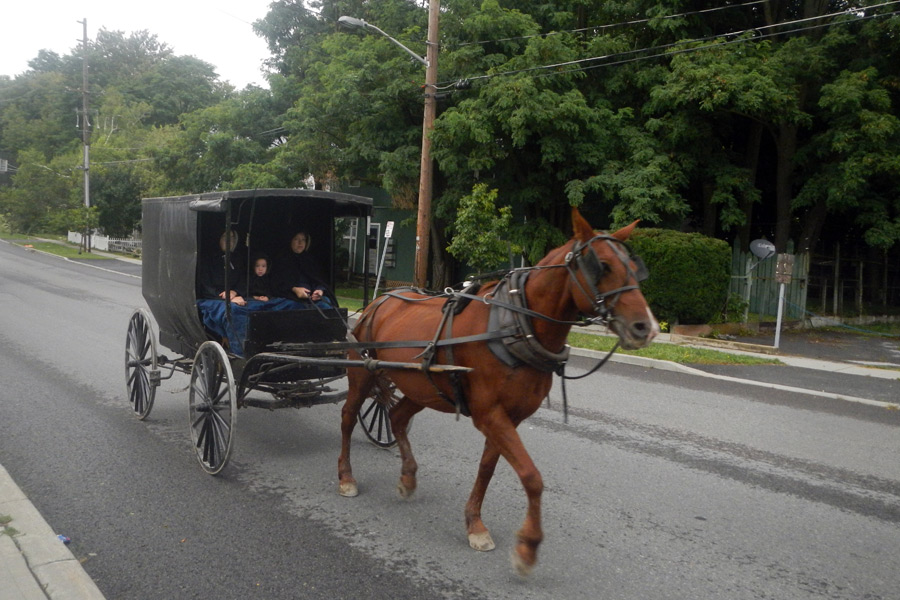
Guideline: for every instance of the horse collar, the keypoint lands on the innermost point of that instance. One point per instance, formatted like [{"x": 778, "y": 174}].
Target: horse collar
[{"x": 523, "y": 346}]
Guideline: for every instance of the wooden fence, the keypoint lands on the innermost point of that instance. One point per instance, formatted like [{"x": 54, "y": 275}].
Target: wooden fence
[{"x": 762, "y": 293}]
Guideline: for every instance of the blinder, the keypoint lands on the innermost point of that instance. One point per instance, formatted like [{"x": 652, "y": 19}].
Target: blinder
[
  {"x": 591, "y": 266},
  {"x": 584, "y": 259},
  {"x": 640, "y": 272}
]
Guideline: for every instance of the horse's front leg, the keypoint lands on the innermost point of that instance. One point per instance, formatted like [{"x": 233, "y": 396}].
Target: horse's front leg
[
  {"x": 400, "y": 417},
  {"x": 360, "y": 381},
  {"x": 501, "y": 432},
  {"x": 479, "y": 536}
]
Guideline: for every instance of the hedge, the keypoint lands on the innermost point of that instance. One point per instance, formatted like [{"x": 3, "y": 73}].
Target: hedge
[{"x": 689, "y": 274}]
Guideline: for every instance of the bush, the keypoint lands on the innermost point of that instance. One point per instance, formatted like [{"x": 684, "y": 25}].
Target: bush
[{"x": 689, "y": 274}]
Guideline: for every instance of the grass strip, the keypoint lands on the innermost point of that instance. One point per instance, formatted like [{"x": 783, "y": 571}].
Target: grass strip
[
  {"x": 670, "y": 352},
  {"x": 64, "y": 250}
]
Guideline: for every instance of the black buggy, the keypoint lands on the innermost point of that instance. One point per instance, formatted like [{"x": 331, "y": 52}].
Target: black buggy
[{"x": 292, "y": 358}]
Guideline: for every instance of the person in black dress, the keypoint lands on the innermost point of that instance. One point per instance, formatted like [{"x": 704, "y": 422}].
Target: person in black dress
[
  {"x": 222, "y": 275},
  {"x": 299, "y": 276}
]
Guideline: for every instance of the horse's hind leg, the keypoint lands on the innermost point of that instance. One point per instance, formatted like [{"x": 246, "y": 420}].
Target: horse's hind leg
[
  {"x": 400, "y": 416},
  {"x": 360, "y": 382},
  {"x": 479, "y": 536}
]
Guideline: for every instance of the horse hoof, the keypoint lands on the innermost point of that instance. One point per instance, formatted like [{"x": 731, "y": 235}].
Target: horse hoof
[
  {"x": 348, "y": 489},
  {"x": 522, "y": 568},
  {"x": 481, "y": 541},
  {"x": 405, "y": 492}
]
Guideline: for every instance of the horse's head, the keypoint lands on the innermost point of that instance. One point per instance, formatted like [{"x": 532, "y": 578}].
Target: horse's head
[{"x": 606, "y": 280}]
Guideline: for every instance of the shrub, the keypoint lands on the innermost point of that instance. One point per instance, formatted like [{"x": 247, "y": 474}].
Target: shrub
[{"x": 689, "y": 274}]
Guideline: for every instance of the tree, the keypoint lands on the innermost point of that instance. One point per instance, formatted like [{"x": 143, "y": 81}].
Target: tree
[
  {"x": 212, "y": 143},
  {"x": 356, "y": 110},
  {"x": 780, "y": 88},
  {"x": 481, "y": 230},
  {"x": 38, "y": 192}
]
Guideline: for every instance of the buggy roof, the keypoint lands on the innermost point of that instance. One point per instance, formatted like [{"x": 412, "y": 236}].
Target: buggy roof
[{"x": 345, "y": 204}]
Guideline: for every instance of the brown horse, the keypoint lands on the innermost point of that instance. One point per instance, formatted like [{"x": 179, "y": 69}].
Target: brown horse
[{"x": 593, "y": 274}]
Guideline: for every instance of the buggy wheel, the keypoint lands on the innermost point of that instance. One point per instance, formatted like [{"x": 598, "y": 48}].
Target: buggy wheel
[
  {"x": 212, "y": 407},
  {"x": 375, "y": 410},
  {"x": 141, "y": 374}
]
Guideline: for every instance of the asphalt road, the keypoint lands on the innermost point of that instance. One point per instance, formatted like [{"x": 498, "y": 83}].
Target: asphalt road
[{"x": 661, "y": 485}]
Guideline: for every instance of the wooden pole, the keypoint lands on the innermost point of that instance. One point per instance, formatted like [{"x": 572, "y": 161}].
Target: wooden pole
[
  {"x": 423, "y": 222},
  {"x": 86, "y": 137}
]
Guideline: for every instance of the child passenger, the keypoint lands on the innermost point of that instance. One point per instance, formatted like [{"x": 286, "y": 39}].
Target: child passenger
[{"x": 260, "y": 283}]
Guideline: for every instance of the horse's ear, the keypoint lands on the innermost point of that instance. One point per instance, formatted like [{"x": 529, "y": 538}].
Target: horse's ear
[
  {"x": 581, "y": 228},
  {"x": 624, "y": 233}
]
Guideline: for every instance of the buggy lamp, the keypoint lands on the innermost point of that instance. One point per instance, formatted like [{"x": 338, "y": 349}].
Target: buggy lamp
[{"x": 354, "y": 23}]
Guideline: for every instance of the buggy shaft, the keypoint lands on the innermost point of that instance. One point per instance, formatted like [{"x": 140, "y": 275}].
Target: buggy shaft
[{"x": 370, "y": 364}]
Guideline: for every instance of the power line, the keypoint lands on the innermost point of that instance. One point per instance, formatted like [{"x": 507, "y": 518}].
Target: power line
[
  {"x": 124, "y": 162},
  {"x": 756, "y": 30},
  {"x": 613, "y": 25},
  {"x": 727, "y": 42}
]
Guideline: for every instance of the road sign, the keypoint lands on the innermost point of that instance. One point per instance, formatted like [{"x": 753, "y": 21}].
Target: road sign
[
  {"x": 784, "y": 268},
  {"x": 389, "y": 229}
]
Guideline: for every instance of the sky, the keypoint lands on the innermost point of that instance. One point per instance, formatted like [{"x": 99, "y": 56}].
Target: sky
[{"x": 216, "y": 31}]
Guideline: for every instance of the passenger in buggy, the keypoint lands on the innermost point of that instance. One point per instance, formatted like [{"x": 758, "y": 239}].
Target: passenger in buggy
[
  {"x": 215, "y": 280},
  {"x": 298, "y": 276},
  {"x": 260, "y": 287}
]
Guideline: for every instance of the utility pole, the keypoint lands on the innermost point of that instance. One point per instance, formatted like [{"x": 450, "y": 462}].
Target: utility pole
[
  {"x": 423, "y": 222},
  {"x": 86, "y": 138}
]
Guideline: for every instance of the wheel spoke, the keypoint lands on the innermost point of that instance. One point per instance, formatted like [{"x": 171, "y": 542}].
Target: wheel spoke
[
  {"x": 374, "y": 415},
  {"x": 364, "y": 416}
]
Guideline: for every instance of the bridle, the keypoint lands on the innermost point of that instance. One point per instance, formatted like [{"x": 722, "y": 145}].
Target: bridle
[{"x": 583, "y": 259}]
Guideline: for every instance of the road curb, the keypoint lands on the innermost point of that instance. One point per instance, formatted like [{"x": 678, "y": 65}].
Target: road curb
[{"x": 39, "y": 564}]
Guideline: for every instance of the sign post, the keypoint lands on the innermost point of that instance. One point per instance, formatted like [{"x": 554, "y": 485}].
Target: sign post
[
  {"x": 388, "y": 232},
  {"x": 784, "y": 268}
]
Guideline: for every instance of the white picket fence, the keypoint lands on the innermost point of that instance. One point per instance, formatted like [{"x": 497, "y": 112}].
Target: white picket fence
[{"x": 107, "y": 244}]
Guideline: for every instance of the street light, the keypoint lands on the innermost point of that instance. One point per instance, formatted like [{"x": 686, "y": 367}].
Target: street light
[
  {"x": 423, "y": 221},
  {"x": 354, "y": 23}
]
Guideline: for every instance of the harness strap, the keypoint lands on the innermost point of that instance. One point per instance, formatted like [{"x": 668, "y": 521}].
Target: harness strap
[
  {"x": 460, "y": 401},
  {"x": 355, "y": 345},
  {"x": 519, "y": 309},
  {"x": 430, "y": 352}
]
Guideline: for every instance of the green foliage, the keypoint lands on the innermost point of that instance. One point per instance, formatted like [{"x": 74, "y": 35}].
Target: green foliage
[
  {"x": 689, "y": 274},
  {"x": 733, "y": 310},
  {"x": 39, "y": 191},
  {"x": 858, "y": 156},
  {"x": 217, "y": 147},
  {"x": 481, "y": 230},
  {"x": 79, "y": 219}
]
